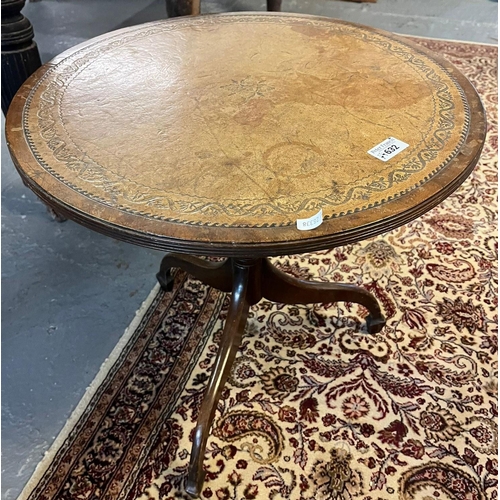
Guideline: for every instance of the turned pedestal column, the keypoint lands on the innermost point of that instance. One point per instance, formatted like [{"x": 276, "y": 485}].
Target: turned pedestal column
[{"x": 20, "y": 56}]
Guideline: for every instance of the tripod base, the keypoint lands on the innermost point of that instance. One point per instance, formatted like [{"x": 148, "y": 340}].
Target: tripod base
[{"x": 249, "y": 280}]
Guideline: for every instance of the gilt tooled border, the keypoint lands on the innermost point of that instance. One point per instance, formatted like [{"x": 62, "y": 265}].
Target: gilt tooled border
[{"x": 415, "y": 164}]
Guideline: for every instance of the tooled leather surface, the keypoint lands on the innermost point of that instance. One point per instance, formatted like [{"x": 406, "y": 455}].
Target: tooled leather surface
[{"x": 243, "y": 120}]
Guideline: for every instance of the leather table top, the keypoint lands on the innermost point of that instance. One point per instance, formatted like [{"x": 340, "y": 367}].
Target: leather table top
[{"x": 214, "y": 134}]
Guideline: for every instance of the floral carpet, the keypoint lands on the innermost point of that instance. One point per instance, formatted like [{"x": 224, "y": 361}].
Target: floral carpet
[{"x": 315, "y": 408}]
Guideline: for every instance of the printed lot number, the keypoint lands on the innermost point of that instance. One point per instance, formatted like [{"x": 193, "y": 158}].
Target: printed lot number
[{"x": 388, "y": 149}]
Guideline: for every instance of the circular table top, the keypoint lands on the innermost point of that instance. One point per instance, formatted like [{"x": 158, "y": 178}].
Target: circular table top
[{"x": 214, "y": 134}]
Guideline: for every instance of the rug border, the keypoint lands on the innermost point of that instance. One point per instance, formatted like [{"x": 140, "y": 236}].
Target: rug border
[{"x": 90, "y": 392}]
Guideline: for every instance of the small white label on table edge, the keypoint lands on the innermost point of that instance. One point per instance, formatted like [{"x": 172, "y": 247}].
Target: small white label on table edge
[{"x": 310, "y": 223}]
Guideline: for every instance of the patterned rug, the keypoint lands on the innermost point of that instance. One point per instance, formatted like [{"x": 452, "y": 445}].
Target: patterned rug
[{"x": 316, "y": 408}]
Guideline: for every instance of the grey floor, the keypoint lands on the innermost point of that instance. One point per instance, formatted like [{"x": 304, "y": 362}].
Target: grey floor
[{"x": 69, "y": 293}]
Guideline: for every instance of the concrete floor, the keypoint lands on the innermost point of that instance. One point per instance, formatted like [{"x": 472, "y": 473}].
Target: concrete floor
[{"x": 69, "y": 293}]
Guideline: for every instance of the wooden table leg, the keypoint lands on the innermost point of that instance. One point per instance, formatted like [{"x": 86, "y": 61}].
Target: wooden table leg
[
  {"x": 229, "y": 344},
  {"x": 177, "y": 8},
  {"x": 280, "y": 287},
  {"x": 274, "y": 5},
  {"x": 57, "y": 216},
  {"x": 215, "y": 274}
]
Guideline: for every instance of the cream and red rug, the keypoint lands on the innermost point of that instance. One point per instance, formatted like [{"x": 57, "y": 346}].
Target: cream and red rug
[{"x": 315, "y": 408}]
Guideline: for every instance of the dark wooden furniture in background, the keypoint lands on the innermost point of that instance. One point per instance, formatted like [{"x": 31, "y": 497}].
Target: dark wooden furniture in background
[
  {"x": 153, "y": 136},
  {"x": 20, "y": 56},
  {"x": 177, "y": 8}
]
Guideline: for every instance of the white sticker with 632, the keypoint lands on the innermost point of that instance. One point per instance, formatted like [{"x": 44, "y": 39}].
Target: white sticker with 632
[{"x": 388, "y": 149}]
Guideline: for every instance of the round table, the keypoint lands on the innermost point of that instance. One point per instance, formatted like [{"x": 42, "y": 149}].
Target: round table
[{"x": 245, "y": 136}]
